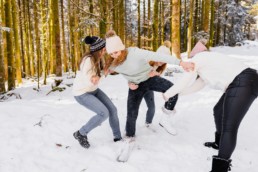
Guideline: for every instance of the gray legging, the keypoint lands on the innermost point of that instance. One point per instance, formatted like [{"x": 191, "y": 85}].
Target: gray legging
[{"x": 232, "y": 107}]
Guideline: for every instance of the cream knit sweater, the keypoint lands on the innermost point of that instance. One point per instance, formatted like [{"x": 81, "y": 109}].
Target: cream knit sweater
[
  {"x": 82, "y": 83},
  {"x": 214, "y": 69}
]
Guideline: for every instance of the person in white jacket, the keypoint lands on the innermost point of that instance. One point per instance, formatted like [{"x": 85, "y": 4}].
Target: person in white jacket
[
  {"x": 87, "y": 93},
  {"x": 239, "y": 84}
]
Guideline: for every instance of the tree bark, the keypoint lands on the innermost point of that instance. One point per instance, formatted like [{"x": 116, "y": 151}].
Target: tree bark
[
  {"x": 9, "y": 46},
  {"x": 190, "y": 29},
  {"x": 176, "y": 28},
  {"x": 155, "y": 25},
  {"x": 139, "y": 24},
  {"x": 56, "y": 37},
  {"x": 17, "y": 43}
]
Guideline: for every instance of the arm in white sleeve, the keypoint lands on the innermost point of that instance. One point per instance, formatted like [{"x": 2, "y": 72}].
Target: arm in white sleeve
[
  {"x": 196, "y": 86},
  {"x": 158, "y": 57},
  {"x": 180, "y": 85}
]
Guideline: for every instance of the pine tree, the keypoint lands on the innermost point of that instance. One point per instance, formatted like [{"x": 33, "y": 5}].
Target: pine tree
[
  {"x": 37, "y": 38},
  {"x": 30, "y": 39},
  {"x": 176, "y": 28},
  {"x": 2, "y": 71},
  {"x": 16, "y": 41},
  {"x": 206, "y": 16},
  {"x": 64, "y": 50},
  {"x": 56, "y": 37},
  {"x": 25, "y": 39},
  {"x": 9, "y": 45},
  {"x": 139, "y": 24},
  {"x": 122, "y": 20},
  {"x": 190, "y": 29},
  {"x": 155, "y": 25},
  {"x": 44, "y": 39},
  {"x": 211, "y": 25}
]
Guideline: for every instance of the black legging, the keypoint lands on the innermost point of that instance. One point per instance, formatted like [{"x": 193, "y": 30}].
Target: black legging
[{"x": 232, "y": 107}]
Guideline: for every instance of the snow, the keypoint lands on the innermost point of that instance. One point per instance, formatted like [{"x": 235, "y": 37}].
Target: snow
[{"x": 36, "y": 131}]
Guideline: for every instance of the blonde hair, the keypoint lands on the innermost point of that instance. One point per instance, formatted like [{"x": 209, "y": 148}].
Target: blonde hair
[
  {"x": 116, "y": 62},
  {"x": 167, "y": 44}
]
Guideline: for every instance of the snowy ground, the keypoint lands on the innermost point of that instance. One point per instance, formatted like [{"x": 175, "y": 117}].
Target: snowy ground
[{"x": 36, "y": 131}]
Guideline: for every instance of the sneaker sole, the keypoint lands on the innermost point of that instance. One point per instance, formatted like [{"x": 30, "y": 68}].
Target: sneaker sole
[{"x": 174, "y": 134}]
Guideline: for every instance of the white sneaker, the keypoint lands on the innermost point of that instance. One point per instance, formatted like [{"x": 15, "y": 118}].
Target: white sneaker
[
  {"x": 151, "y": 127},
  {"x": 165, "y": 122}
]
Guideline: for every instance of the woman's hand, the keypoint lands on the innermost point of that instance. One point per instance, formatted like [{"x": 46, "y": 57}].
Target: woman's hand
[
  {"x": 187, "y": 66},
  {"x": 95, "y": 79},
  {"x": 108, "y": 71},
  {"x": 154, "y": 73},
  {"x": 132, "y": 86}
]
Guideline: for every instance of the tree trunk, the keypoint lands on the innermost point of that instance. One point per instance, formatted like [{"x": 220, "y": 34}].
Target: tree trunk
[
  {"x": 37, "y": 38},
  {"x": 22, "y": 38},
  {"x": 190, "y": 29},
  {"x": 2, "y": 71},
  {"x": 185, "y": 27},
  {"x": 155, "y": 25},
  {"x": 52, "y": 39},
  {"x": 44, "y": 39},
  {"x": 149, "y": 27},
  {"x": 9, "y": 45},
  {"x": 26, "y": 40},
  {"x": 176, "y": 28},
  {"x": 56, "y": 37},
  {"x": 71, "y": 35},
  {"x": 196, "y": 16},
  {"x": 76, "y": 36},
  {"x": 91, "y": 11},
  {"x": 162, "y": 17},
  {"x": 31, "y": 40},
  {"x": 225, "y": 26},
  {"x": 211, "y": 25},
  {"x": 122, "y": 21},
  {"x": 4, "y": 41},
  {"x": 64, "y": 55},
  {"x": 139, "y": 24},
  {"x": 218, "y": 23},
  {"x": 17, "y": 43},
  {"x": 103, "y": 21},
  {"x": 206, "y": 16}
]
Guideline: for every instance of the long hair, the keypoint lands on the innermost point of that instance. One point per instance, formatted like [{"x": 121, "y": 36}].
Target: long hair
[
  {"x": 161, "y": 68},
  {"x": 112, "y": 62},
  {"x": 96, "y": 61}
]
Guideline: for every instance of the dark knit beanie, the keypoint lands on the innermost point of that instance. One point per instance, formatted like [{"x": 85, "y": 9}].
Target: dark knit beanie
[{"x": 96, "y": 43}]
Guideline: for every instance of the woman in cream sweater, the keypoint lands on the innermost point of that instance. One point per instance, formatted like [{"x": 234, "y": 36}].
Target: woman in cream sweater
[{"x": 239, "y": 84}]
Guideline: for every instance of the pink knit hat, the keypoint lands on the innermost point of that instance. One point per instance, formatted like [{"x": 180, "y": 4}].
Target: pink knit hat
[{"x": 199, "y": 47}]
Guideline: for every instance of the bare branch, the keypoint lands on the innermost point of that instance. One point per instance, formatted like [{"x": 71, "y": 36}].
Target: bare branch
[{"x": 86, "y": 11}]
